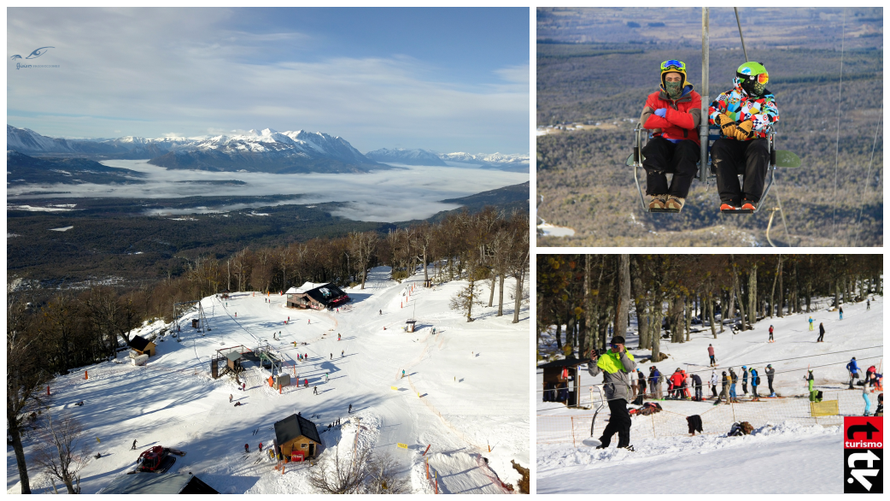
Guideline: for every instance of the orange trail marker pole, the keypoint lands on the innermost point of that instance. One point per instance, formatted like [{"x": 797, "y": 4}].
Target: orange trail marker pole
[
  {"x": 86, "y": 374},
  {"x": 427, "y": 450}
]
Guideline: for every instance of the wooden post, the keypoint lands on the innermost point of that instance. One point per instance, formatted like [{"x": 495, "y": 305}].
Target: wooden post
[{"x": 86, "y": 374}]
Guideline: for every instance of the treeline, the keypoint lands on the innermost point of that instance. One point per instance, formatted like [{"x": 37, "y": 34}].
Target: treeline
[
  {"x": 591, "y": 295},
  {"x": 81, "y": 327}
]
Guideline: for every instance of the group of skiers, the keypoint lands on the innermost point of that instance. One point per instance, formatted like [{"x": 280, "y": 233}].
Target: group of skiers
[
  {"x": 872, "y": 382},
  {"x": 745, "y": 115},
  {"x": 680, "y": 382}
]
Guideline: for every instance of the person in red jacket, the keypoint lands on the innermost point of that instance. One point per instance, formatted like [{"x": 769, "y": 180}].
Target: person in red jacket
[
  {"x": 672, "y": 115},
  {"x": 677, "y": 379}
]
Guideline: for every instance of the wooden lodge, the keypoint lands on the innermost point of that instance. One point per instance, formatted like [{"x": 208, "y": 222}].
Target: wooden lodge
[
  {"x": 297, "y": 438},
  {"x": 316, "y": 296}
]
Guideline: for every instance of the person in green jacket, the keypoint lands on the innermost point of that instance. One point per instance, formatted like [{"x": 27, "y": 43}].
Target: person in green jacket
[{"x": 617, "y": 366}]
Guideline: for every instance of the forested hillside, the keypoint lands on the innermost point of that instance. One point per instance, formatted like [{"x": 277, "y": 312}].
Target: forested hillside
[
  {"x": 830, "y": 106},
  {"x": 673, "y": 290}
]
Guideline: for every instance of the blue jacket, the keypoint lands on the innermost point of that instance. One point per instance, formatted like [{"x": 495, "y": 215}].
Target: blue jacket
[
  {"x": 754, "y": 377},
  {"x": 852, "y": 366},
  {"x": 654, "y": 377}
]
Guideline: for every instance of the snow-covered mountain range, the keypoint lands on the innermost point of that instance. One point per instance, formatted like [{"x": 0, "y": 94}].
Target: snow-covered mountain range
[
  {"x": 262, "y": 151},
  {"x": 266, "y": 150}
]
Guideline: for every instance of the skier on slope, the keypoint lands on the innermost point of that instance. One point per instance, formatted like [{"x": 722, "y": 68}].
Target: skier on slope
[
  {"x": 755, "y": 381},
  {"x": 771, "y": 340},
  {"x": 867, "y": 400},
  {"x": 711, "y": 354},
  {"x": 770, "y": 373},
  {"x": 733, "y": 380},
  {"x": 744, "y": 380},
  {"x": 618, "y": 365},
  {"x": 854, "y": 371},
  {"x": 840, "y": 311},
  {"x": 811, "y": 323},
  {"x": 696, "y": 382},
  {"x": 714, "y": 381},
  {"x": 821, "y": 333}
]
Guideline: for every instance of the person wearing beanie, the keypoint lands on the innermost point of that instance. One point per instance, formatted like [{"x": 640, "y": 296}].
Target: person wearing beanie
[
  {"x": 617, "y": 366},
  {"x": 672, "y": 115},
  {"x": 745, "y": 115}
]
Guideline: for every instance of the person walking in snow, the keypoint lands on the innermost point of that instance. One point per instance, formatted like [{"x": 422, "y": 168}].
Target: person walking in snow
[
  {"x": 771, "y": 340},
  {"x": 246, "y": 448},
  {"x": 305, "y": 383},
  {"x": 711, "y": 354},
  {"x": 326, "y": 377},
  {"x": 811, "y": 323},
  {"x": 342, "y": 353},
  {"x": 744, "y": 380},
  {"x": 641, "y": 382},
  {"x": 733, "y": 380},
  {"x": 617, "y": 366},
  {"x": 770, "y": 373},
  {"x": 755, "y": 381},
  {"x": 338, "y": 336},
  {"x": 134, "y": 446},
  {"x": 243, "y": 386},
  {"x": 821, "y": 333},
  {"x": 332, "y": 356},
  {"x": 867, "y": 400},
  {"x": 261, "y": 447},
  {"x": 840, "y": 312},
  {"x": 230, "y": 398},
  {"x": 403, "y": 373},
  {"x": 350, "y": 409},
  {"x": 867, "y": 304},
  {"x": 854, "y": 370},
  {"x": 315, "y": 390},
  {"x": 714, "y": 381}
]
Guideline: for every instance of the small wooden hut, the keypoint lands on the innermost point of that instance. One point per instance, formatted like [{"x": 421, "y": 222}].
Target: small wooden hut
[
  {"x": 562, "y": 381},
  {"x": 142, "y": 346},
  {"x": 297, "y": 438}
]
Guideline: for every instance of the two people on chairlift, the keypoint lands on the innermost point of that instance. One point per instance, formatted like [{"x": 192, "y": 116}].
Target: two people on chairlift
[{"x": 744, "y": 114}]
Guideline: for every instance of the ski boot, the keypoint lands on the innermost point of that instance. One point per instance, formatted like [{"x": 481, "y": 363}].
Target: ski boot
[{"x": 772, "y": 395}]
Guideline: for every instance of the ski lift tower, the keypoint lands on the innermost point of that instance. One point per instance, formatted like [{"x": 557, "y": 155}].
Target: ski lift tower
[{"x": 181, "y": 307}]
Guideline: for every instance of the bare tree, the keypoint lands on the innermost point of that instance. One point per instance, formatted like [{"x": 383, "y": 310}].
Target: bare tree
[
  {"x": 24, "y": 376},
  {"x": 382, "y": 477},
  {"x": 467, "y": 296},
  {"x": 340, "y": 475},
  {"x": 61, "y": 452}
]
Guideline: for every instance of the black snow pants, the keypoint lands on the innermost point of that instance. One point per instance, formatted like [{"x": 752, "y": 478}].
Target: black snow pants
[
  {"x": 662, "y": 157},
  {"x": 730, "y": 158},
  {"x": 619, "y": 422}
]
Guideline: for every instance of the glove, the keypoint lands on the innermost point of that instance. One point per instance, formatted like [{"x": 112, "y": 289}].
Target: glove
[
  {"x": 740, "y": 134},
  {"x": 747, "y": 127},
  {"x": 729, "y": 130},
  {"x": 727, "y": 125},
  {"x": 660, "y": 112}
]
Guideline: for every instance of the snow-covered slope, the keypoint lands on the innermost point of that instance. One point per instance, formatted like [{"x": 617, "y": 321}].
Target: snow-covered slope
[
  {"x": 465, "y": 389},
  {"x": 789, "y": 452}
]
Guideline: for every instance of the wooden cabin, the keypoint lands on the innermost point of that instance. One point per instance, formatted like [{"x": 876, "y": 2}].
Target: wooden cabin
[
  {"x": 316, "y": 296},
  {"x": 142, "y": 346},
  {"x": 297, "y": 438},
  {"x": 562, "y": 381}
]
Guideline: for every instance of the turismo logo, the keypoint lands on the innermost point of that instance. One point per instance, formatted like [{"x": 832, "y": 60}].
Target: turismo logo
[
  {"x": 33, "y": 55},
  {"x": 863, "y": 455}
]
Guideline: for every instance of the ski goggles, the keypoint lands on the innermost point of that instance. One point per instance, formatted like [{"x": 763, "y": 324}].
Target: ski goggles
[
  {"x": 673, "y": 64},
  {"x": 761, "y": 78}
]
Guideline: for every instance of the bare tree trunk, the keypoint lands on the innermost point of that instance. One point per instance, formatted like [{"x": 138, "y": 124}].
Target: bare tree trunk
[
  {"x": 752, "y": 294},
  {"x": 623, "y": 295},
  {"x": 500, "y": 295},
  {"x": 711, "y": 316}
]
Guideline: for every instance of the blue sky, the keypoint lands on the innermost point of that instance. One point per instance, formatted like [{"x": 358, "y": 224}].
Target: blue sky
[{"x": 443, "y": 79}]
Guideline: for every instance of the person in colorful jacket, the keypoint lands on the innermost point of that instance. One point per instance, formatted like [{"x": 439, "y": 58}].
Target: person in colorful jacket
[
  {"x": 744, "y": 114},
  {"x": 617, "y": 366},
  {"x": 672, "y": 114}
]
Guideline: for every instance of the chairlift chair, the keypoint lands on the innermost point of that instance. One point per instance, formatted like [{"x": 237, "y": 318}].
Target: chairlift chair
[{"x": 777, "y": 158}]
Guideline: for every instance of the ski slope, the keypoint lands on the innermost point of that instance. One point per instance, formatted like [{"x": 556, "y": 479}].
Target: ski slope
[
  {"x": 787, "y": 453},
  {"x": 465, "y": 389}
]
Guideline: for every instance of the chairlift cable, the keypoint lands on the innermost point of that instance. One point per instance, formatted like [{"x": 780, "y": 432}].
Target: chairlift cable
[
  {"x": 867, "y": 176},
  {"x": 736, "y": 9},
  {"x": 838, "y": 133}
]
